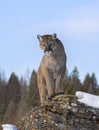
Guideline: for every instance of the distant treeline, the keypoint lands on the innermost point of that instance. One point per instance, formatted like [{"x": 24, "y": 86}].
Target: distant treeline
[{"x": 17, "y": 97}]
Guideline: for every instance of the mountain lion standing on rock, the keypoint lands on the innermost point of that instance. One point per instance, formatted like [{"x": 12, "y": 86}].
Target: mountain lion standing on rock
[{"x": 52, "y": 68}]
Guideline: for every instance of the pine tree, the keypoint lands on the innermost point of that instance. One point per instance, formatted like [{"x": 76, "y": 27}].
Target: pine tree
[
  {"x": 33, "y": 94},
  {"x": 13, "y": 98},
  {"x": 10, "y": 115},
  {"x": 90, "y": 84},
  {"x": 94, "y": 80},
  {"x": 86, "y": 83},
  {"x": 22, "y": 106},
  {"x": 13, "y": 89},
  {"x": 93, "y": 84},
  {"x": 75, "y": 81},
  {"x": 2, "y": 98},
  {"x": 72, "y": 83},
  {"x": 97, "y": 90}
]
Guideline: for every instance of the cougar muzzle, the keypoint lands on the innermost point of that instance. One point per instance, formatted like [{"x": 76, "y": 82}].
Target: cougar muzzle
[{"x": 48, "y": 49}]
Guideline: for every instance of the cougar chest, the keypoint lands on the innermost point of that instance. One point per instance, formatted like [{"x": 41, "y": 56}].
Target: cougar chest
[{"x": 53, "y": 66}]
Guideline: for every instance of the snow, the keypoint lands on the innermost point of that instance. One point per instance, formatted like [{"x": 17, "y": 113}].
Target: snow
[
  {"x": 9, "y": 127},
  {"x": 88, "y": 99}
]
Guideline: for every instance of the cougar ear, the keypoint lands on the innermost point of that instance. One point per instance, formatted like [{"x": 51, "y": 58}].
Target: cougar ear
[
  {"x": 39, "y": 37},
  {"x": 54, "y": 36}
]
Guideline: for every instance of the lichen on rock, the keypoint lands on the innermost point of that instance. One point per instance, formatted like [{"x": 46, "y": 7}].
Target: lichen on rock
[{"x": 63, "y": 112}]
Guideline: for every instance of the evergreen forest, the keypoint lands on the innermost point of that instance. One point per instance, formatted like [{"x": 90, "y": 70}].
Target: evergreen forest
[{"x": 17, "y": 97}]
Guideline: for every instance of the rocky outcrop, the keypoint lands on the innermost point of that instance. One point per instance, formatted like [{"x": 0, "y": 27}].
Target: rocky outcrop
[{"x": 62, "y": 113}]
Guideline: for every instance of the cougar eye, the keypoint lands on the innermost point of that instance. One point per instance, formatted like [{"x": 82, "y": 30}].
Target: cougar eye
[{"x": 43, "y": 44}]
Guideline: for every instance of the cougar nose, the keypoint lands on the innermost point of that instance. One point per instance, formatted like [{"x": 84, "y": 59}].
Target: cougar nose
[{"x": 47, "y": 48}]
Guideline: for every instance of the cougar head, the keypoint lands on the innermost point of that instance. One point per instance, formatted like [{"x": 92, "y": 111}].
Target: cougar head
[{"x": 47, "y": 43}]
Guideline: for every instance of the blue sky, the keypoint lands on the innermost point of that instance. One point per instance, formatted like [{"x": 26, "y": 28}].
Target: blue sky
[{"x": 76, "y": 23}]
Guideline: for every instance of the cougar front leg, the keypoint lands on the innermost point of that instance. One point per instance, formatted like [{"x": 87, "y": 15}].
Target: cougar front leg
[
  {"x": 50, "y": 83},
  {"x": 59, "y": 82},
  {"x": 42, "y": 91}
]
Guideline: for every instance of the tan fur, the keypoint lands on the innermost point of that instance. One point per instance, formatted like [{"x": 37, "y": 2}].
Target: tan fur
[{"x": 52, "y": 68}]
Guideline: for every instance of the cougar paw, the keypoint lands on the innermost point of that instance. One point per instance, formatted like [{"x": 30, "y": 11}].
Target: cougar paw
[
  {"x": 59, "y": 92},
  {"x": 49, "y": 97}
]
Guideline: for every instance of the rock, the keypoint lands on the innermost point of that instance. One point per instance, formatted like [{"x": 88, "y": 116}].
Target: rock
[{"x": 64, "y": 112}]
